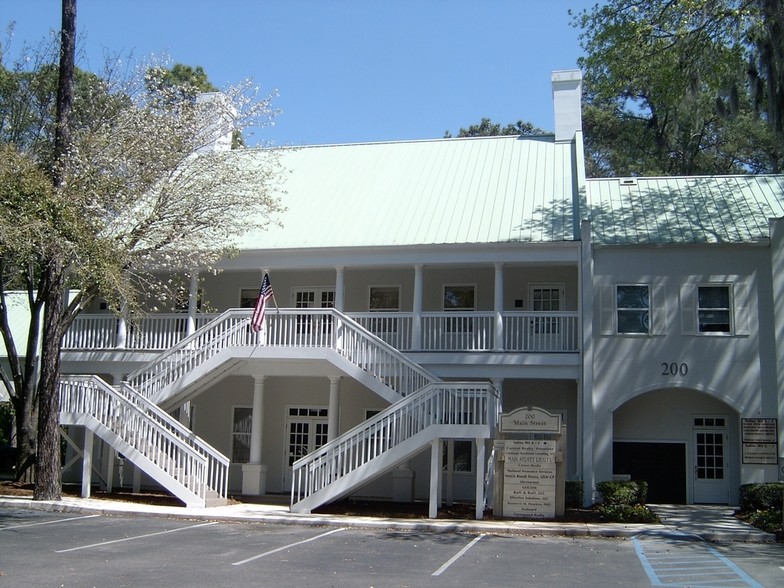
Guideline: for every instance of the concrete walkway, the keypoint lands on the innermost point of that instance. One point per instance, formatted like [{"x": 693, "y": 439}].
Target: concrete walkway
[{"x": 712, "y": 523}]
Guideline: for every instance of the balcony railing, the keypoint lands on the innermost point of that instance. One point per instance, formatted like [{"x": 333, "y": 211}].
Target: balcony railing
[{"x": 523, "y": 332}]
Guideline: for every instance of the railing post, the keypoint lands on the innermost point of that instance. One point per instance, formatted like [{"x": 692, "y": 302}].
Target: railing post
[{"x": 416, "y": 321}]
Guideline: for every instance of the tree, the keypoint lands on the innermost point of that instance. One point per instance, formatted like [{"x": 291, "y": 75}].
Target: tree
[
  {"x": 134, "y": 198},
  {"x": 669, "y": 91},
  {"x": 487, "y": 128}
]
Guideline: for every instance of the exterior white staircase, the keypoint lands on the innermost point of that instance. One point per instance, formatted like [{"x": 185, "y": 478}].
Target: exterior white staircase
[
  {"x": 437, "y": 411},
  {"x": 423, "y": 408},
  {"x": 152, "y": 440}
]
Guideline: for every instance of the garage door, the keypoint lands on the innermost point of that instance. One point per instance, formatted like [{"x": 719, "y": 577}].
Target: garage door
[{"x": 662, "y": 465}]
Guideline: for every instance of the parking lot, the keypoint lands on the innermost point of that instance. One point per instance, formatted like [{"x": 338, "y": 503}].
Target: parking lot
[{"x": 75, "y": 550}]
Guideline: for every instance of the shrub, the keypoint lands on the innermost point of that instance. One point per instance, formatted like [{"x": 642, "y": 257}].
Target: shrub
[
  {"x": 627, "y": 493},
  {"x": 627, "y": 513},
  {"x": 754, "y": 497},
  {"x": 574, "y": 494}
]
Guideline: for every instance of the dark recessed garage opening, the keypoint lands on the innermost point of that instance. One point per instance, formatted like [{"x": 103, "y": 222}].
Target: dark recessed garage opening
[{"x": 662, "y": 465}]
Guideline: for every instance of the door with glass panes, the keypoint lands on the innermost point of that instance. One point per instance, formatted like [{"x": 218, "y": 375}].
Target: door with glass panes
[
  {"x": 306, "y": 430},
  {"x": 312, "y": 325},
  {"x": 711, "y": 484},
  {"x": 545, "y": 332}
]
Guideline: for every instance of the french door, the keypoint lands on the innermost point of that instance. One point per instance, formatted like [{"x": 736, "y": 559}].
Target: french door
[
  {"x": 306, "y": 430},
  {"x": 711, "y": 484}
]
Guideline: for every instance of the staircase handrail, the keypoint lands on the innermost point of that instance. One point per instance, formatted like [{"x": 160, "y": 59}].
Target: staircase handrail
[
  {"x": 232, "y": 328},
  {"x": 438, "y": 403},
  {"x": 413, "y": 376},
  {"x": 149, "y": 379},
  {"x": 217, "y": 462},
  {"x": 92, "y": 396}
]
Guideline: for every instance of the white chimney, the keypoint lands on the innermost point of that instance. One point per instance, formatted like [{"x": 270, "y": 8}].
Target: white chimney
[
  {"x": 567, "y": 94},
  {"x": 219, "y": 121}
]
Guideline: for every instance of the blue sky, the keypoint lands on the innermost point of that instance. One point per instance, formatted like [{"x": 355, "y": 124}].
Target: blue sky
[{"x": 345, "y": 70}]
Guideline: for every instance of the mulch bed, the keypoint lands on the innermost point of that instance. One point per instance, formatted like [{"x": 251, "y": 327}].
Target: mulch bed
[{"x": 350, "y": 507}]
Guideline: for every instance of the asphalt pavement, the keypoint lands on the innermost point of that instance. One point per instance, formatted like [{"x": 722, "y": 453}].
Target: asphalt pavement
[{"x": 711, "y": 523}]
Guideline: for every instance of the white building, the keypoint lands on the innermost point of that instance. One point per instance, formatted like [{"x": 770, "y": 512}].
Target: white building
[{"x": 423, "y": 287}]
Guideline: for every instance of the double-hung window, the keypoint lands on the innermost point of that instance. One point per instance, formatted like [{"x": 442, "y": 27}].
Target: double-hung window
[
  {"x": 714, "y": 307},
  {"x": 633, "y": 308}
]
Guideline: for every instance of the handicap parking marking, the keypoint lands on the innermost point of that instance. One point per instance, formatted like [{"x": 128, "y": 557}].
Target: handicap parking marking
[
  {"x": 457, "y": 556},
  {"x": 51, "y": 522},
  {"x": 285, "y": 547},
  {"x": 684, "y": 562},
  {"x": 135, "y": 537}
]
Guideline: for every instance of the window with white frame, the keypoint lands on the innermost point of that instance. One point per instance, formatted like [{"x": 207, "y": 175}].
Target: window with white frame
[
  {"x": 632, "y": 307},
  {"x": 242, "y": 424},
  {"x": 248, "y": 297},
  {"x": 459, "y": 298},
  {"x": 462, "y": 457},
  {"x": 714, "y": 309},
  {"x": 384, "y": 298}
]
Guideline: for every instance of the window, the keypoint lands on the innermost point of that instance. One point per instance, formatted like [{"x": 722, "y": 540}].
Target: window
[
  {"x": 384, "y": 298},
  {"x": 713, "y": 309},
  {"x": 248, "y": 297},
  {"x": 632, "y": 303},
  {"x": 458, "y": 297},
  {"x": 463, "y": 455},
  {"x": 241, "y": 429}
]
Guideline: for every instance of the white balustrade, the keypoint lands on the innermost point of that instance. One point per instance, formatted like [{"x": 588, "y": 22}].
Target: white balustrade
[{"x": 153, "y": 433}]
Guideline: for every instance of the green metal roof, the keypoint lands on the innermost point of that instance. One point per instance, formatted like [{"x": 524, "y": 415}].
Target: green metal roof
[
  {"x": 448, "y": 191},
  {"x": 711, "y": 209}
]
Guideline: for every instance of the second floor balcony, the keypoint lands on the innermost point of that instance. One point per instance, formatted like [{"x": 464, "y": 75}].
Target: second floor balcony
[{"x": 446, "y": 331}]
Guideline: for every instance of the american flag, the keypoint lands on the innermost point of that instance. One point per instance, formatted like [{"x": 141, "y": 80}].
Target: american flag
[{"x": 265, "y": 293}]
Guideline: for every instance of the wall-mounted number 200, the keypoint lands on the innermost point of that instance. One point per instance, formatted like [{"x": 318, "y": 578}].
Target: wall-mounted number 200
[{"x": 674, "y": 369}]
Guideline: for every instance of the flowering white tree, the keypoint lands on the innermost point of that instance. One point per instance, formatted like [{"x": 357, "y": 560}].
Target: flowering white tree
[{"x": 141, "y": 189}]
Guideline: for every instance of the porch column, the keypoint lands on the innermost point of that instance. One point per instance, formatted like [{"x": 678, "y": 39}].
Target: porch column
[
  {"x": 87, "y": 463},
  {"x": 435, "y": 477},
  {"x": 254, "y": 473},
  {"x": 193, "y": 303},
  {"x": 498, "y": 308},
  {"x": 122, "y": 332},
  {"x": 495, "y": 408},
  {"x": 340, "y": 286},
  {"x": 334, "y": 408},
  {"x": 480, "y": 479},
  {"x": 190, "y": 327},
  {"x": 416, "y": 325}
]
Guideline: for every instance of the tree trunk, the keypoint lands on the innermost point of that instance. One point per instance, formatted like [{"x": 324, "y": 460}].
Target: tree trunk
[
  {"x": 47, "y": 465},
  {"x": 26, "y": 420}
]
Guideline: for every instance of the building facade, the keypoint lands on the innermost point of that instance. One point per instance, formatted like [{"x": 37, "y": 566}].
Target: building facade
[{"x": 423, "y": 288}]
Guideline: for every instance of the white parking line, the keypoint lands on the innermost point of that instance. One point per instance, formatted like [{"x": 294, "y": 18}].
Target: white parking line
[
  {"x": 49, "y": 522},
  {"x": 455, "y": 557},
  {"x": 136, "y": 537},
  {"x": 266, "y": 553}
]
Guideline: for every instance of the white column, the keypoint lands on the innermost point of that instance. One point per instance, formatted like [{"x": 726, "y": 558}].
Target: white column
[
  {"x": 416, "y": 326},
  {"x": 435, "y": 477},
  {"x": 340, "y": 287},
  {"x": 122, "y": 333},
  {"x": 480, "y": 479},
  {"x": 498, "y": 308},
  {"x": 334, "y": 408},
  {"x": 257, "y": 419},
  {"x": 193, "y": 304},
  {"x": 254, "y": 473},
  {"x": 87, "y": 462}
]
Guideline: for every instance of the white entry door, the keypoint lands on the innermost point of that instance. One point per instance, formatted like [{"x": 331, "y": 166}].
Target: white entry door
[
  {"x": 711, "y": 484},
  {"x": 545, "y": 332},
  {"x": 306, "y": 429}
]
